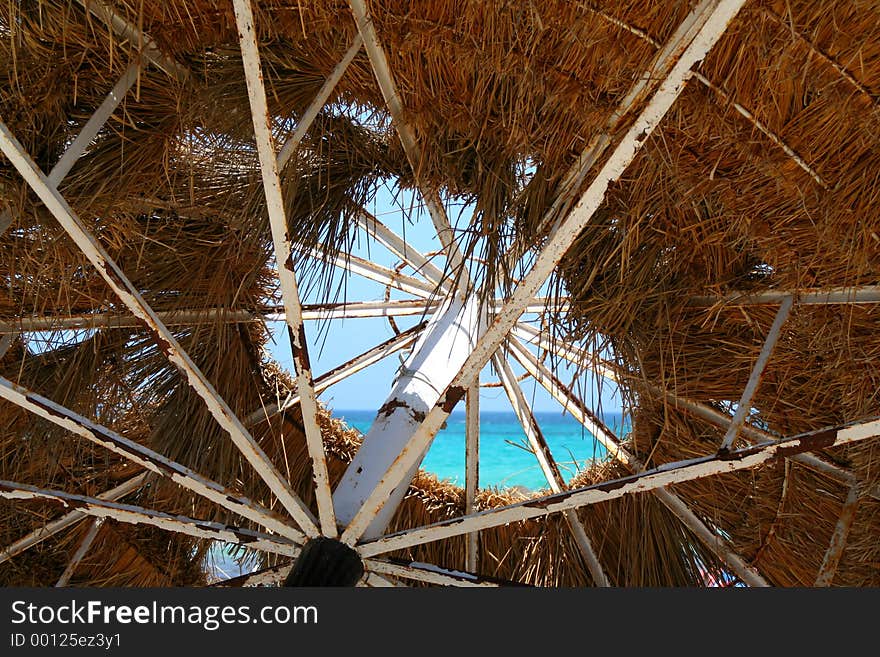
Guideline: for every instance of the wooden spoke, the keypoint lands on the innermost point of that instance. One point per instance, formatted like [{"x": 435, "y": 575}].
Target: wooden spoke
[
  {"x": 131, "y": 514},
  {"x": 284, "y": 262},
  {"x": 130, "y": 296},
  {"x": 145, "y": 457}
]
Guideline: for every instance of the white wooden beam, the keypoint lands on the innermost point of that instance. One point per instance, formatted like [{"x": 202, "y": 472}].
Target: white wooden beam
[
  {"x": 662, "y": 67},
  {"x": 377, "y": 581},
  {"x": 370, "y": 270},
  {"x": 772, "y": 136},
  {"x": 566, "y": 351},
  {"x": 424, "y": 572},
  {"x": 136, "y": 515},
  {"x": 67, "y": 520},
  {"x": 402, "y": 341},
  {"x": 548, "y": 465},
  {"x": 399, "y": 247},
  {"x": 185, "y": 317},
  {"x": 124, "y": 29},
  {"x": 838, "y": 540},
  {"x": 573, "y": 405},
  {"x": 804, "y": 297},
  {"x": 472, "y": 470},
  {"x": 284, "y": 263},
  {"x": 689, "y": 47},
  {"x": 725, "y": 96},
  {"x": 385, "y": 78},
  {"x": 745, "y": 402},
  {"x": 143, "y": 456},
  {"x": 81, "y": 550},
  {"x": 666, "y": 475},
  {"x": 130, "y": 296},
  {"x": 343, "y": 371},
  {"x": 308, "y": 117},
  {"x": 706, "y": 412},
  {"x": 271, "y": 576},
  {"x": 311, "y": 312},
  {"x": 88, "y": 132}
]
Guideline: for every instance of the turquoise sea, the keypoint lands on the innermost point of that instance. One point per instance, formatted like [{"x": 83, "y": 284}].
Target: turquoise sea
[{"x": 504, "y": 459}]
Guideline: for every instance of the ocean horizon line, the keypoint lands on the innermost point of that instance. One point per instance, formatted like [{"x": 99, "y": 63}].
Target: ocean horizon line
[{"x": 506, "y": 457}]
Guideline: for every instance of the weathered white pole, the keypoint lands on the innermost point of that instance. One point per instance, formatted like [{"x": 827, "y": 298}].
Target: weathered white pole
[
  {"x": 366, "y": 309},
  {"x": 688, "y": 47},
  {"x": 271, "y": 576},
  {"x": 399, "y": 247},
  {"x": 745, "y": 402},
  {"x": 472, "y": 470},
  {"x": 129, "y": 295},
  {"x": 78, "y": 146},
  {"x": 666, "y": 475},
  {"x": 723, "y": 94},
  {"x": 838, "y": 540},
  {"x": 548, "y": 466},
  {"x": 396, "y": 245},
  {"x": 284, "y": 263},
  {"x": 153, "y": 461},
  {"x": 797, "y": 159},
  {"x": 436, "y": 357},
  {"x": 665, "y": 60},
  {"x": 135, "y": 515},
  {"x": 341, "y": 372},
  {"x": 60, "y": 524},
  {"x": 529, "y": 424},
  {"x": 569, "y": 352},
  {"x": 573, "y": 405},
  {"x": 378, "y": 582},
  {"x": 81, "y": 550}
]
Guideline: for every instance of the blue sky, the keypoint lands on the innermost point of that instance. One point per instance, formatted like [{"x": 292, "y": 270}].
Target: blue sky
[{"x": 334, "y": 342}]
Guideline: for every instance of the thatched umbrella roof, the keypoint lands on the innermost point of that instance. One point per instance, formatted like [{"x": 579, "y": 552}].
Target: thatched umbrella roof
[{"x": 763, "y": 177}]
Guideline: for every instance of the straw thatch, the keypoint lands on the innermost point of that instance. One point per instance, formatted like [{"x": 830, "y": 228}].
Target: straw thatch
[{"x": 764, "y": 175}]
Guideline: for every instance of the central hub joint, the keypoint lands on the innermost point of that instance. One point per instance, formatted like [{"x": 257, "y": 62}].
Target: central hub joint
[{"x": 326, "y": 562}]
